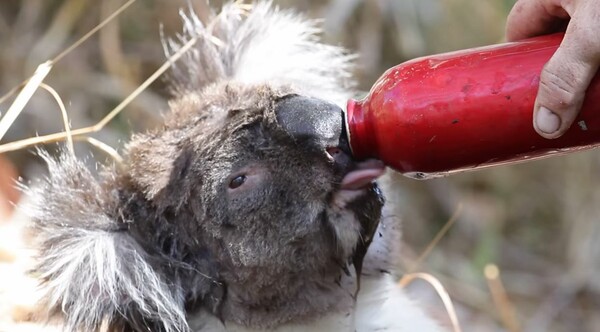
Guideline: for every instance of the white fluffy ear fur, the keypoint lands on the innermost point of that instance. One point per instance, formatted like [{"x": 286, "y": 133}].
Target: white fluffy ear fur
[
  {"x": 262, "y": 45},
  {"x": 90, "y": 267}
]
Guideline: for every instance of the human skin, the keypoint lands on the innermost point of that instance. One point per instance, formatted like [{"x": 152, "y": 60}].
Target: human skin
[{"x": 567, "y": 75}]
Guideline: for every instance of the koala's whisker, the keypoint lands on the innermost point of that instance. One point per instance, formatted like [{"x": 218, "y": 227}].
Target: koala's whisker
[
  {"x": 392, "y": 216},
  {"x": 189, "y": 267},
  {"x": 360, "y": 236},
  {"x": 213, "y": 280}
]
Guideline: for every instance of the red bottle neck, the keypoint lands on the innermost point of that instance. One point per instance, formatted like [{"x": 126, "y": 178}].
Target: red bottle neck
[{"x": 358, "y": 131}]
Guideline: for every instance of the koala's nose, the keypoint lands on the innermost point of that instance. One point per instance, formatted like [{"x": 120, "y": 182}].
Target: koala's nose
[{"x": 314, "y": 119}]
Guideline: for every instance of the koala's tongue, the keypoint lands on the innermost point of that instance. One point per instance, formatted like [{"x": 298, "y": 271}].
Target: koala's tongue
[{"x": 365, "y": 173}]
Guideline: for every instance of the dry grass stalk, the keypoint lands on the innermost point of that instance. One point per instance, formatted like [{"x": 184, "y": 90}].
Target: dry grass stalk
[
  {"x": 505, "y": 307},
  {"x": 440, "y": 234},
  {"x": 441, "y": 291},
  {"x": 63, "y": 112},
  {"x": 98, "y": 144},
  {"x": 57, "y": 32},
  {"x": 71, "y": 48},
  {"x": 17, "y": 106},
  {"x": 433, "y": 281},
  {"x": 111, "y": 115},
  {"x": 20, "y": 144},
  {"x": 30, "y": 86},
  {"x": 93, "y": 31}
]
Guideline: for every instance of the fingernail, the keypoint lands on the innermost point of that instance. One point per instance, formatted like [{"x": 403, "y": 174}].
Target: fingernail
[{"x": 547, "y": 121}]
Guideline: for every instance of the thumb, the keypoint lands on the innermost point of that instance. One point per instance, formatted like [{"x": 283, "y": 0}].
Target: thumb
[{"x": 563, "y": 83}]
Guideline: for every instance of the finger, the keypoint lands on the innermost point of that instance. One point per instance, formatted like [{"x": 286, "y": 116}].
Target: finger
[
  {"x": 529, "y": 18},
  {"x": 565, "y": 78}
]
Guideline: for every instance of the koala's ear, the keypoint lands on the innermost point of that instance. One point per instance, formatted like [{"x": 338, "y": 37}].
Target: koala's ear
[
  {"x": 158, "y": 164},
  {"x": 92, "y": 270}
]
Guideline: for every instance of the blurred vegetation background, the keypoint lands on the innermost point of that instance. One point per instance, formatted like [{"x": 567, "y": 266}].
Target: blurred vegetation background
[{"x": 538, "y": 221}]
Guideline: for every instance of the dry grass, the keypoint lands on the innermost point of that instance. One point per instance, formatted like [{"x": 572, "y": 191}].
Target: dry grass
[{"x": 536, "y": 222}]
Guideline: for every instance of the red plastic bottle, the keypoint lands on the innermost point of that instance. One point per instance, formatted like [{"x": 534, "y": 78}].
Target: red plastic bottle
[{"x": 446, "y": 113}]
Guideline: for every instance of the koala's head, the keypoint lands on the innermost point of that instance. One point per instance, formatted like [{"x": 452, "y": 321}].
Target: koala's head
[
  {"x": 256, "y": 187},
  {"x": 246, "y": 204}
]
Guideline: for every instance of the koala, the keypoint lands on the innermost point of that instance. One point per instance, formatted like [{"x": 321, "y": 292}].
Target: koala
[{"x": 244, "y": 211}]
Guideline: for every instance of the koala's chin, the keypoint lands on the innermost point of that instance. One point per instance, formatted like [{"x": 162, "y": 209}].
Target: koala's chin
[{"x": 355, "y": 209}]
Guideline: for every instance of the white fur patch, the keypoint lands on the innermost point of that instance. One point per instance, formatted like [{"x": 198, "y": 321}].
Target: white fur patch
[
  {"x": 90, "y": 270},
  {"x": 95, "y": 274},
  {"x": 264, "y": 45},
  {"x": 381, "y": 306}
]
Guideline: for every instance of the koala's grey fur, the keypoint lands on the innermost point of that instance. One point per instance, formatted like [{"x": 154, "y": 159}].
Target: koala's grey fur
[{"x": 160, "y": 244}]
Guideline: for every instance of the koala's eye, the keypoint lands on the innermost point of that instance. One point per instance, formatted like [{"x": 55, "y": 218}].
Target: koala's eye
[{"x": 237, "y": 181}]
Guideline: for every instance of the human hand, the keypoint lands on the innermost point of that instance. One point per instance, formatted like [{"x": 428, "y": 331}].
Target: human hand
[{"x": 566, "y": 76}]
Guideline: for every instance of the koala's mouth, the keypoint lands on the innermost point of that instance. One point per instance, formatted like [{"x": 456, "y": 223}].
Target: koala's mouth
[
  {"x": 356, "y": 181},
  {"x": 363, "y": 175},
  {"x": 355, "y": 175}
]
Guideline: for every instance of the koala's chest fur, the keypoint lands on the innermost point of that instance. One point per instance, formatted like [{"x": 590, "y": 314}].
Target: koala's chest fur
[{"x": 381, "y": 306}]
